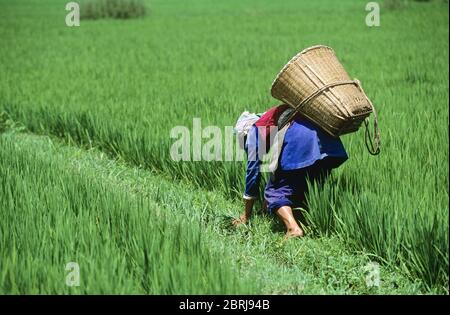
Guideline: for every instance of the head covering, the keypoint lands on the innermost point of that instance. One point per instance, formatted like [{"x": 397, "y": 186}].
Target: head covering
[
  {"x": 244, "y": 122},
  {"x": 243, "y": 125}
]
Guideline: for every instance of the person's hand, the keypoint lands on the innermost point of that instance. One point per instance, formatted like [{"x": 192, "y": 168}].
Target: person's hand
[{"x": 242, "y": 220}]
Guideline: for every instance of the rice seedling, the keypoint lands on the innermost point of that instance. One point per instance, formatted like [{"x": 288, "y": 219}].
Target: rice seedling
[
  {"x": 134, "y": 232},
  {"x": 123, "y": 243},
  {"x": 120, "y": 86}
]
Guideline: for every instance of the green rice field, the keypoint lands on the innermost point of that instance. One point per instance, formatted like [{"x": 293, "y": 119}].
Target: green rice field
[{"x": 86, "y": 174}]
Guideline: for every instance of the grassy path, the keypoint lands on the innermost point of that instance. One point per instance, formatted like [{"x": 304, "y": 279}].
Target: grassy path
[{"x": 195, "y": 250}]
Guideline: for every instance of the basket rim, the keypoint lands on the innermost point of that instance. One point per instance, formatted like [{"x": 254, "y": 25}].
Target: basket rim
[{"x": 293, "y": 59}]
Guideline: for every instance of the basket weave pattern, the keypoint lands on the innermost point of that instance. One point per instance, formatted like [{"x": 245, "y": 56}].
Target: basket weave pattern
[{"x": 316, "y": 84}]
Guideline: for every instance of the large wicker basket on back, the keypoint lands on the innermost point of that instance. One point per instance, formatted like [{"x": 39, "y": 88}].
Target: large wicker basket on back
[{"x": 315, "y": 84}]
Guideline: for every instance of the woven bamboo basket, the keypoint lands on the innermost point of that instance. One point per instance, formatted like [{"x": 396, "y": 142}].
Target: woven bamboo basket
[{"x": 317, "y": 86}]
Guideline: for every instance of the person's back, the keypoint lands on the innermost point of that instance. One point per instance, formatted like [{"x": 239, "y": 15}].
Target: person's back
[
  {"x": 305, "y": 143},
  {"x": 306, "y": 152}
]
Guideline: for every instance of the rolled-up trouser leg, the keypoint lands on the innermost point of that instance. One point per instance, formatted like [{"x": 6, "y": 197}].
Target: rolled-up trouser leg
[
  {"x": 285, "y": 188},
  {"x": 289, "y": 188}
]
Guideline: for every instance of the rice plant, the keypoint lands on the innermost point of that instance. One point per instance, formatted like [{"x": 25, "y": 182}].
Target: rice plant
[
  {"x": 121, "y": 87},
  {"x": 123, "y": 243}
]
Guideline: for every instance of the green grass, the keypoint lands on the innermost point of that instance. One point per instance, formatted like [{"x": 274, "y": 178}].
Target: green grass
[
  {"x": 132, "y": 231},
  {"x": 122, "y": 85},
  {"x": 55, "y": 212}
]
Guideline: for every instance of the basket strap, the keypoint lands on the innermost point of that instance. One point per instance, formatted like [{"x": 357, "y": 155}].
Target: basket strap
[
  {"x": 375, "y": 145},
  {"x": 305, "y": 64},
  {"x": 276, "y": 148},
  {"x": 314, "y": 95}
]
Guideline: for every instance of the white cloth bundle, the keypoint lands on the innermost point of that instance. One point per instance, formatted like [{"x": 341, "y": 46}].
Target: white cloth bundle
[{"x": 243, "y": 125}]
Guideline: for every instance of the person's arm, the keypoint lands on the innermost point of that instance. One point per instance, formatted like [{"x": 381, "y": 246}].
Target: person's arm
[{"x": 252, "y": 177}]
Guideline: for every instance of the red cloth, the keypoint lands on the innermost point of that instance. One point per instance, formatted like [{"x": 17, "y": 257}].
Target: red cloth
[{"x": 267, "y": 120}]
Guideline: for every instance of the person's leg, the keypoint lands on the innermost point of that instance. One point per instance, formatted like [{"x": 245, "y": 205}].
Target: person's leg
[
  {"x": 279, "y": 195},
  {"x": 292, "y": 227}
]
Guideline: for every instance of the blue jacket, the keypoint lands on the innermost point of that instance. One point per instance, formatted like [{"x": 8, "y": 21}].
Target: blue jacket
[{"x": 303, "y": 145}]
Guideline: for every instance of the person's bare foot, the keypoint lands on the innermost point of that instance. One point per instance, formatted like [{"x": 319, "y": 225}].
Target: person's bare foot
[
  {"x": 297, "y": 232},
  {"x": 242, "y": 220}
]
